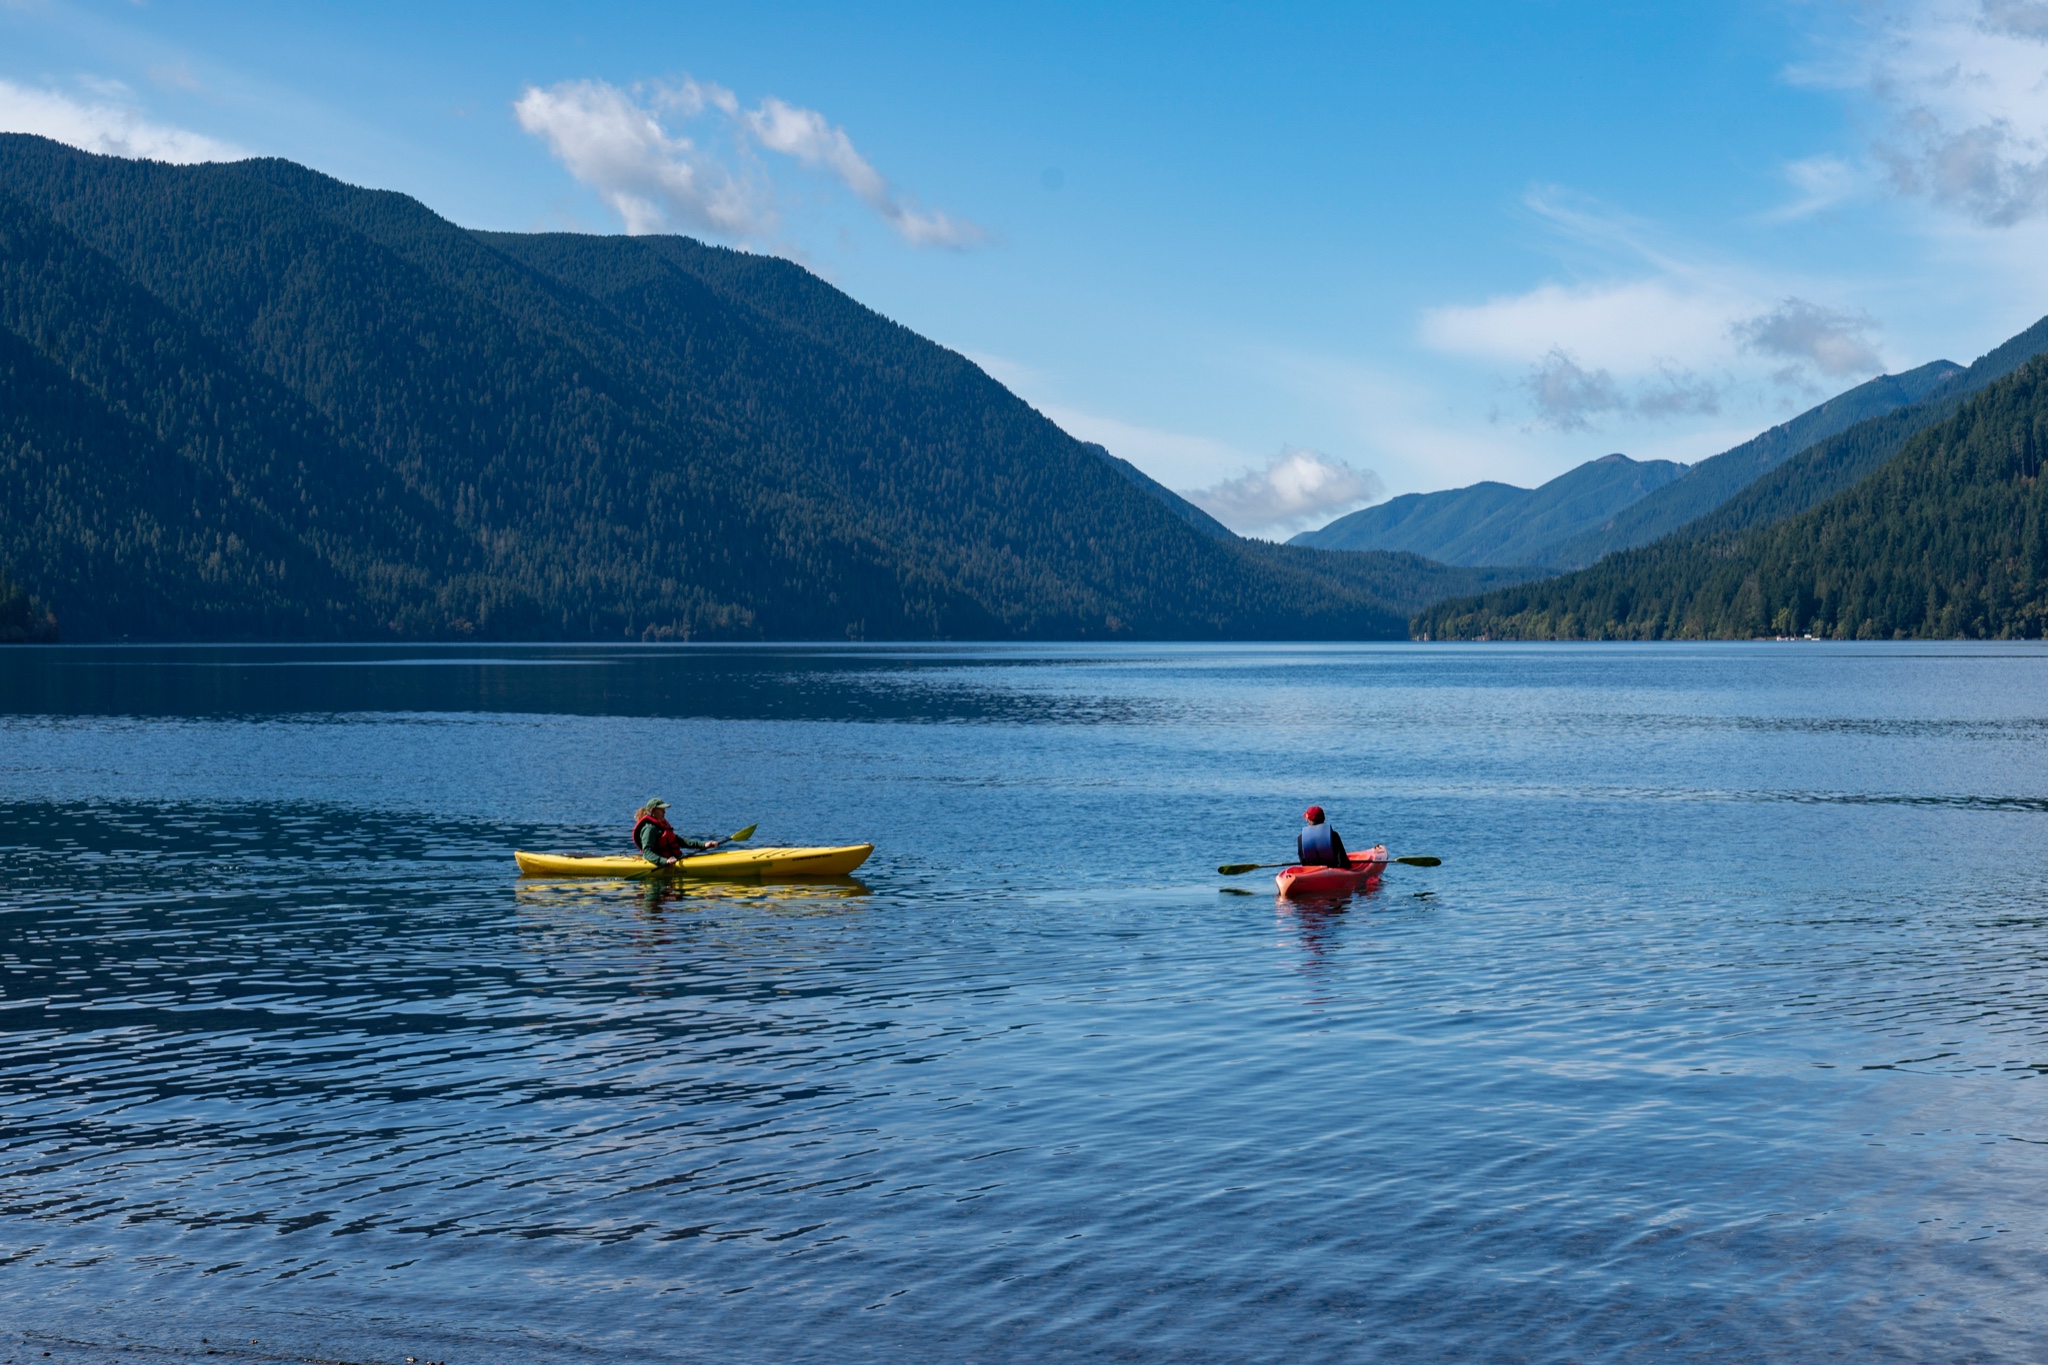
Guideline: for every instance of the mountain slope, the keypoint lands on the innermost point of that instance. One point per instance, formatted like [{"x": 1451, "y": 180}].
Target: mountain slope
[
  {"x": 1949, "y": 538},
  {"x": 141, "y": 460},
  {"x": 1628, "y": 594},
  {"x": 443, "y": 432},
  {"x": 23, "y": 620},
  {"x": 1497, "y": 523},
  {"x": 1713, "y": 481},
  {"x": 1417, "y": 523},
  {"x": 1174, "y": 502}
]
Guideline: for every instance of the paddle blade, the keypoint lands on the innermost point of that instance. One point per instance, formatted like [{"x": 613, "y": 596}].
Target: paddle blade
[
  {"x": 1237, "y": 869},
  {"x": 743, "y": 835},
  {"x": 1421, "y": 862}
]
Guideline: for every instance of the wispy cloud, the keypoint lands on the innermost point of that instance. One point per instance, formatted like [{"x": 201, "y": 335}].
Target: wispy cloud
[
  {"x": 1821, "y": 183},
  {"x": 652, "y": 179},
  {"x": 112, "y": 124},
  {"x": 1835, "y": 342},
  {"x": 1964, "y": 87},
  {"x": 805, "y": 135},
  {"x": 1631, "y": 326},
  {"x": 1297, "y": 488},
  {"x": 617, "y": 141},
  {"x": 1672, "y": 335},
  {"x": 1569, "y": 397}
]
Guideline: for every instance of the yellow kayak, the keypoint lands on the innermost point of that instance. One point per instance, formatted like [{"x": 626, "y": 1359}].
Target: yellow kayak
[{"x": 736, "y": 865}]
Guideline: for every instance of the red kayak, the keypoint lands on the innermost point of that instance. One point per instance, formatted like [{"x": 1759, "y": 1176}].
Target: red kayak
[{"x": 1365, "y": 869}]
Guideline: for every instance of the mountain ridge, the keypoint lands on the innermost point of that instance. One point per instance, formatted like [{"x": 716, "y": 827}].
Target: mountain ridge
[
  {"x": 1713, "y": 481},
  {"x": 393, "y": 426},
  {"x": 1498, "y": 523},
  {"x": 1859, "y": 534}
]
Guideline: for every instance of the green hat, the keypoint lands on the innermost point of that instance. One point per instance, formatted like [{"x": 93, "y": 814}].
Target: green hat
[{"x": 654, "y": 803}]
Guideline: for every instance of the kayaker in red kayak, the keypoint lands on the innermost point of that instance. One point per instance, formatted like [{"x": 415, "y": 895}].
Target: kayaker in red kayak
[
  {"x": 1318, "y": 845},
  {"x": 656, "y": 838}
]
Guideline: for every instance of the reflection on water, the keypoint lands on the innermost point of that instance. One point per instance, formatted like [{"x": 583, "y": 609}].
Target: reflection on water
[
  {"x": 1719, "y": 1034},
  {"x": 806, "y": 895}
]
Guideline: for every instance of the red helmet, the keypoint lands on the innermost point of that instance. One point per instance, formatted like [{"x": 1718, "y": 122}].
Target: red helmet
[{"x": 1314, "y": 815}]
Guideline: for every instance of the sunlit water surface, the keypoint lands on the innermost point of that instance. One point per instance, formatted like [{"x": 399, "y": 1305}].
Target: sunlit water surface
[{"x": 1719, "y": 1034}]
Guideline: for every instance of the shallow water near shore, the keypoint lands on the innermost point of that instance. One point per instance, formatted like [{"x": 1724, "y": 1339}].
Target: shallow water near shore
[{"x": 1720, "y": 1034}]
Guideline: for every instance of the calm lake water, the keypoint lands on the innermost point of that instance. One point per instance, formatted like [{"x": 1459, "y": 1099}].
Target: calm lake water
[{"x": 1719, "y": 1035}]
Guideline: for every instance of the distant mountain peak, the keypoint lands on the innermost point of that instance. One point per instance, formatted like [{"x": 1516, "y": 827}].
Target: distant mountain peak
[{"x": 1497, "y": 523}]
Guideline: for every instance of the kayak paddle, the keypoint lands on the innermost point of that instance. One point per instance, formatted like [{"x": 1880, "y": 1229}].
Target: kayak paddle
[
  {"x": 739, "y": 838},
  {"x": 1234, "y": 869}
]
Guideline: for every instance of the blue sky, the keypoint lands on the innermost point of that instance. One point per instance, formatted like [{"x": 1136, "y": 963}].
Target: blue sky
[{"x": 1293, "y": 257}]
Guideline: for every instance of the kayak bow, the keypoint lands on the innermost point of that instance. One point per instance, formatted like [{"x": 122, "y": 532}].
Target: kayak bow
[{"x": 744, "y": 864}]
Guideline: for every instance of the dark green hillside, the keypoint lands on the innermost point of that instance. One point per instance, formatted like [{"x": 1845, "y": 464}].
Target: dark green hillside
[
  {"x": 23, "y": 620},
  {"x": 1174, "y": 502},
  {"x": 1947, "y": 539},
  {"x": 347, "y": 417},
  {"x": 1497, "y": 523},
  {"x": 1402, "y": 581},
  {"x": 160, "y": 488}
]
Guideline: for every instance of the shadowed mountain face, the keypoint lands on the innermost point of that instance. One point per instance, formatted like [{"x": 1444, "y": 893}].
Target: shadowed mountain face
[
  {"x": 1928, "y": 522},
  {"x": 1614, "y": 503},
  {"x": 1712, "y": 482},
  {"x": 247, "y": 400},
  {"x": 1497, "y": 523}
]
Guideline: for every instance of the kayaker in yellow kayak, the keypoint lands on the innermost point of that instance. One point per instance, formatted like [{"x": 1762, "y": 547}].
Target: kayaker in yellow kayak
[
  {"x": 1318, "y": 845},
  {"x": 656, "y": 838}
]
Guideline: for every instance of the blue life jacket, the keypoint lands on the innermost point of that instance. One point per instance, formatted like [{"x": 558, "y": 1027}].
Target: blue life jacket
[{"x": 1319, "y": 846}]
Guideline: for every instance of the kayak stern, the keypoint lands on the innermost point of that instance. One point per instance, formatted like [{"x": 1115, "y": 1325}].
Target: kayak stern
[{"x": 1365, "y": 870}]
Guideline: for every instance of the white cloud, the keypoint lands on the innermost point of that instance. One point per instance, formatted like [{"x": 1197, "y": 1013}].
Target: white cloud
[
  {"x": 112, "y": 125},
  {"x": 614, "y": 141},
  {"x": 1675, "y": 336},
  {"x": 805, "y": 135},
  {"x": 1834, "y": 342},
  {"x": 1629, "y": 326},
  {"x": 617, "y": 146},
  {"x": 1297, "y": 487},
  {"x": 1964, "y": 84}
]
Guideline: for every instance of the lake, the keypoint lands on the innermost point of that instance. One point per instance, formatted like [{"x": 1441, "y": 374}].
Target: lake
[{"x": 1720, "y": 1034}]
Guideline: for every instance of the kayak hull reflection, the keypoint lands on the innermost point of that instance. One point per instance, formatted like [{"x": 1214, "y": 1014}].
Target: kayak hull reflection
[{"x": 745, "y": 864}]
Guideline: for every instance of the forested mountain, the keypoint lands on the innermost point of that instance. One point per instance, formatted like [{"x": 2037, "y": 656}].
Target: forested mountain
[
  {"x": 1711, "y": 482},
  {"x": 1614, "y": 503},
  {"x": 249, "y": 401},
  {"x": 1654, "y": 581},
  {"x": 1947, "y": 538},
  {"x": 1497, "y": 523},
  {"x": 1174, "y": 502},
  {"x": 23, "y": 620}
]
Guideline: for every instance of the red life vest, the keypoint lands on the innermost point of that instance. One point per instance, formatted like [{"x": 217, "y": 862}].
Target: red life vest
[{"x": 664, "y": 844}]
